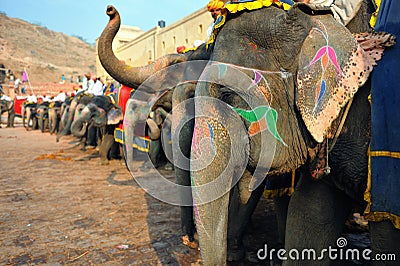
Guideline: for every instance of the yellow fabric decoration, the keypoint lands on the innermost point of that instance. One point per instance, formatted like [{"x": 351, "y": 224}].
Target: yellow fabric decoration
[
  {"x": 189, "y": 49},
  {"x": 216, "y": 28},
  {"x": 372, "y": 21},
  {"x": 215, "y": 4},
  {"x": 378, "y": 216},
  {"x": 235, "y": 7},
  {"x": 274, "y": 193}
]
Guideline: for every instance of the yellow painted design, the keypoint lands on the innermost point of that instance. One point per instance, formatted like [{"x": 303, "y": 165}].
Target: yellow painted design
[{"x": 378, "y": 216}]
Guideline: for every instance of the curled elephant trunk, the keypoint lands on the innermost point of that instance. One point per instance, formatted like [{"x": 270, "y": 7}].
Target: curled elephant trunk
[
  {"x": 79, "y": 126},
  {"x": 154, "y": 131},
  {"x": 127, "y": 75}
]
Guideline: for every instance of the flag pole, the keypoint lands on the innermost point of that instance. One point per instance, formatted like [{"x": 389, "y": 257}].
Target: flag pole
[{"x": 29, "y": 80}]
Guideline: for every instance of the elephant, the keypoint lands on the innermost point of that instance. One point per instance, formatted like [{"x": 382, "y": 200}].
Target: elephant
[
  {"x": 159, "y": 128},
  {"x": 64, "y": 112},
  {"x": 55, "y": 116},
  {"x": 29, "y": 113},
  {"x": 42, "y": 115},
  {"x": 100, "y": 112},
  {"x": 135, "y": 76},
  {"x": 292, "y": 95},
  {"x": 7, "y": 105},
  {"x": 69, "y": 113}
]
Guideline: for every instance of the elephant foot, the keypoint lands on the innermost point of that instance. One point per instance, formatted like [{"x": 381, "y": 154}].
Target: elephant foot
[
  {"x": 90, "y": 147},
  {"x": 104, "y": 162},
  {"x": 191, "y": 244},
  {"x": 169, "y": 166},
  {"x": 235, "y": 254}
]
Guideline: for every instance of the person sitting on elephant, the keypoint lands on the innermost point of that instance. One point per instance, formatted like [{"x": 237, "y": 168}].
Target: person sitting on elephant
[
  {"x": 45, "y": 98},
  {"x": 31, "y": 98},
  {"x": 97, "y": 88},
  {"x": 342, "y": 10},
  {"x": 60, "y": 97},
  {"x": 216, "y": 8}
]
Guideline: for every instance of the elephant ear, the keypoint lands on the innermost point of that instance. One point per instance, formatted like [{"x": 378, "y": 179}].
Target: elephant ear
[{"x": 332, "y": 66}]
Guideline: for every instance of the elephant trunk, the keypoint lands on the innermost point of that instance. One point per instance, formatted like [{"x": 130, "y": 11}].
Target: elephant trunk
[
  {"x": 154, "y": 131},
  {"x": 67, "y": 128},
  {"x": 127, "y": 75},
  {"x": 79, "y": 126}
]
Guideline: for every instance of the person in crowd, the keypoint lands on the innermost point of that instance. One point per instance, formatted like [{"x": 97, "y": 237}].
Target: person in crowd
[
  {"x": 60, "y": 97},
  {"x": 45, "y": 98},
  {"x": 108, "y": 87},
  {"x": 97, "y": 88},
  {"x": 85, "y": 82},
  {"x": 17, "y": 83}
]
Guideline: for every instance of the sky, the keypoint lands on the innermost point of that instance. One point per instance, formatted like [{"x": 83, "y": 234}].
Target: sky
[{"x": 87, "y": 18}]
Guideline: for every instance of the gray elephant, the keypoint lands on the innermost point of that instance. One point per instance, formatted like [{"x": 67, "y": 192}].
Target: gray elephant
[
  {"x": 7, "y": 105},
  {"x": 29, "y": 115},
  {"x": 55, "y": 116},
  {"x": 159, "y": 128},
  {"x": 69, "y": 112},
  {"x": 288, "y": 99},
  {"x": 42, "y": 116},
  {"x": 100, "y": 112},
  {"x": 64, "y": 113}
]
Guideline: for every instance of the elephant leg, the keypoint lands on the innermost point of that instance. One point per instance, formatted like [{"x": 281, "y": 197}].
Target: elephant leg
[
  {"x": 316, "y": 216},
  {"x": 182, "y": 177},
  {"x": 106, "y": 143},
  {"x": 154, "y": 152},
  {"x": 281, "y": 207},
  {"x": 91, "y": 136},
  {"x": 240, "y": 211},
  {"x": 52, "y": 121},
  {"x": 10, "y": 118},
  {"x": 82, "y": 141},
  {"x": 181, "y": 94},
  {"x": 115, "y": 151},
  {"x": 385, "y": 240}
]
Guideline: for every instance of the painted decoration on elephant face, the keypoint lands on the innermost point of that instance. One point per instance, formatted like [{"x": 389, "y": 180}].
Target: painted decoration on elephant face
[
  {"x": 262, "y": 117},
  {"x": 332, "y": 66},
  {"x": 325, "y": 55}
]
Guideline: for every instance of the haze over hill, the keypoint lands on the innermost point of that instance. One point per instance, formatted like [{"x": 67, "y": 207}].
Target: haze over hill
[{"x": 45, "y": 54}]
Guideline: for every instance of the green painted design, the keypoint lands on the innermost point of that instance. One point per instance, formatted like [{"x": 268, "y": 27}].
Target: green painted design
[
  {"x": 272, "y": 118},
  {"x": 262, "y": 112},
  {"x": 252, "y": 115}
]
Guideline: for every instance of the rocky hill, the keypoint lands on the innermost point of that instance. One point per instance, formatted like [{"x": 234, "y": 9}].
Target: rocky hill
[{"x": 45, "y": 54}]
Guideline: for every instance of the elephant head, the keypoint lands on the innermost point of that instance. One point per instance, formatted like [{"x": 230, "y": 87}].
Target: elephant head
[
  {"x": 273, "y": 105},
  {"x": 99, "y": 111},
  {"x": 68, "y": 115}
]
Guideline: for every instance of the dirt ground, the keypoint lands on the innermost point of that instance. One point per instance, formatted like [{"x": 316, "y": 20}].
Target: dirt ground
[{"x": 59, "y": 206}]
